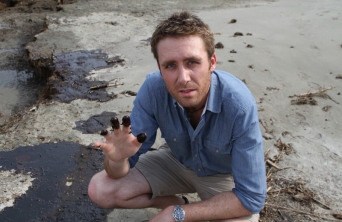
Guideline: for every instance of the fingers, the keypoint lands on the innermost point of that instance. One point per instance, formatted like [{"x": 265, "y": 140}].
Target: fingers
[
  {"x": 101, "y": 145},
  {"x": 141, "y": 137},
  {"x": 126, "y": 122},
  {"x": 115, "y": 123},
  {"x": 103, "y": 132}
]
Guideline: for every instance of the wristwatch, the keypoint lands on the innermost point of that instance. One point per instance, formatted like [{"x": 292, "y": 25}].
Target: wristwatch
[{"x": 178, "y": 213}]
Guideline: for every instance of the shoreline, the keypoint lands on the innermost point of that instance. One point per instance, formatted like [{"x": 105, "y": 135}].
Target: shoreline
[{"x": 287, "y": 49}]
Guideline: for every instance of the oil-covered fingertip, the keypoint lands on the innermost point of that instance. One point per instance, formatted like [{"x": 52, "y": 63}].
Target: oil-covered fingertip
[
  {"x": 115, "y": 123},
  {"x": 103, "y": 132},
  {"x": 141, "y": 137},
  {"x": 126, "y": 121}
]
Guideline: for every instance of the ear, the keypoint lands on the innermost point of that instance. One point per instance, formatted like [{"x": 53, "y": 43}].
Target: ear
[{"x": 213, "y": 62}]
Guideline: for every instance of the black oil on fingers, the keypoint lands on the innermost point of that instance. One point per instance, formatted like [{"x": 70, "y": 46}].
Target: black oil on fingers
[
  {"x": 126, "y": 121},
  {"x": 104, "y": 132},
  {"x": 115, "y": 123},
  {"x": 141, "y": 137}
]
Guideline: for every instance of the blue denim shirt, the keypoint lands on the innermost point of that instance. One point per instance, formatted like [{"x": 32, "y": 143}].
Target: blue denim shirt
[{"x": 226, "y": 140}]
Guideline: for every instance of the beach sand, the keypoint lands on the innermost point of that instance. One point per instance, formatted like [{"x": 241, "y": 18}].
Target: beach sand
[{"x": 287, "y": 48}]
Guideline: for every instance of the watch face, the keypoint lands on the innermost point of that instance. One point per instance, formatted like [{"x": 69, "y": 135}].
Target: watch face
[{"x": 178, "y": 213}]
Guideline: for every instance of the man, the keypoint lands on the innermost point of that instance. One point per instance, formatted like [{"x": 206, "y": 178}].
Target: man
[{"x": 209, "y": 121}]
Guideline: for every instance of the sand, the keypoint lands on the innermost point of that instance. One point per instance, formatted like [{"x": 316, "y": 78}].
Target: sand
[{"x": 293, "y": 48}]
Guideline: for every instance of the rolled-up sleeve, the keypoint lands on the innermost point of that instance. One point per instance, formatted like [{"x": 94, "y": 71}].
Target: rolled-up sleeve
[
  {"x": 143, "y": 120},
  {"x": 248, "y": 165}
]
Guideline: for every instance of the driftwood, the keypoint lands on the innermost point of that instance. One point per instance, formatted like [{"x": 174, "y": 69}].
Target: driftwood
[
  {"x": 273, "y": 164},
  {"x": 307, "y": 98},
  {"x": 319, "y": 92},
  {"x": 106, "y": 85}
]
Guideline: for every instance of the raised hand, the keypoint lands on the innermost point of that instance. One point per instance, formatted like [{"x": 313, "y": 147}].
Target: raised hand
[{"x": 121, "y": 143}]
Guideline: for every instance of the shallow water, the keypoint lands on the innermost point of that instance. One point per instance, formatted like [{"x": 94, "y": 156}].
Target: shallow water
[{"x": 18, "y": 90}]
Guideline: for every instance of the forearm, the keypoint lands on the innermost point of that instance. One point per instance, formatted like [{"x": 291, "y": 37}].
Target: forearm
[
  {"x": 116, "y": 169},
  {"x": 222, "y": 206}
]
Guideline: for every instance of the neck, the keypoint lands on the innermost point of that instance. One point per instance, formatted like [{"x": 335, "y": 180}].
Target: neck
[
  {"x": 194, "y": 116},
  {"x": 195, "y": 110}
]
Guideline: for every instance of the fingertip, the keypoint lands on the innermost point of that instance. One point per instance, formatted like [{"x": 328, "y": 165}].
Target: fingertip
[
  {"x": 103, "y": 132},
  {"x": 115, "y": 123},
  {"x": 141, "y": 137},
  {"x": 126, "y": 121},
  {"x": 97, "y": 145}
]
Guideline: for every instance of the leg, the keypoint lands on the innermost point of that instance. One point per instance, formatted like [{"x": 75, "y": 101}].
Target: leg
[
  {"x": 166, "y": 175},
  {"x": 131, "y": 191}
]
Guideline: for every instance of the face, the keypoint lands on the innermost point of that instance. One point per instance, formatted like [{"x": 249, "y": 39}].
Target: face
[{"x": 186, "y": 69}]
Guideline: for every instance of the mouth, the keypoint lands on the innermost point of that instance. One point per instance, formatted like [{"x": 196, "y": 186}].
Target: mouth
[{"x": 186, "y": 92}]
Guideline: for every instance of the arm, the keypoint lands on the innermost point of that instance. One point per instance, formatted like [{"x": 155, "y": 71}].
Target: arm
[
  {"x": 248, "y": 164},
  {"x": 222, "y": 206},
  {"x": 122, "y": 149},
  {"x": 119, "y": 146}
]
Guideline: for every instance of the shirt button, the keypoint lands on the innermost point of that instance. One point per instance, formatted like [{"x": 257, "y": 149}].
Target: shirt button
[
  {"x": 199, "y": 169},
  {"x": 175, "y": 139},
  {"x": 217, "y": 151},
  {"x": 195, "y": 155}
]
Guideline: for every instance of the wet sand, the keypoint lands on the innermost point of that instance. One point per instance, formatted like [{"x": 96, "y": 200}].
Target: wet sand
[{"x": 287, "y": 48}]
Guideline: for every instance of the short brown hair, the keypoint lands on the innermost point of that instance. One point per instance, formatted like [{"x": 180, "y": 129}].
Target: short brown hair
[{"x": 183, "y": 24}]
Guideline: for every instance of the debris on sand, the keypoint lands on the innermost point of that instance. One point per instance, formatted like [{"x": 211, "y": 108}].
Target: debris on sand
[
  {"x": 269, "y": 88},
  {"x": 307, "y": 98},
  {"x": 337, "y": 216},
  {"x": 232, "y": 21},
  {"x": 283, "y": 193},
  {"x": 233, "y": 51},
  {"x": 287, "y": 148},
  {"x": 339, "y": 77},
  {"x": 129, "y": 93},
  {"x": 326, "y": 108},
  {"x": 115, "y": 83},
  {"x": 249, "y": 46},
  {"x": 231, "y": 60},
  {"x": 219, "y": 45},
  {"x": 238, "y": 34},
  {"x": 304, "y": 101}
]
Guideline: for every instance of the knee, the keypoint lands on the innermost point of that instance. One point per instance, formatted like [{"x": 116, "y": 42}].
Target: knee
[
  {"x": 92, "y": 190},
  {"x": 99, "y": 193}
]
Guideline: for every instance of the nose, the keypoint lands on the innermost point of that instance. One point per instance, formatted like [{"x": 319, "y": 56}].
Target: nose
[{"x": 183, "y": 75}]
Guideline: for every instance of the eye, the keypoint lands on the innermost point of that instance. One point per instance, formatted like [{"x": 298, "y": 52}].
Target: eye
[
  {"x": 192, "y": 62},
  {"x": 171, "y": 65}
]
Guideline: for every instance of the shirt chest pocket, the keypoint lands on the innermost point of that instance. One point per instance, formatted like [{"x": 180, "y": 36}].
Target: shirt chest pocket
[{"x": 217, "y": 148}]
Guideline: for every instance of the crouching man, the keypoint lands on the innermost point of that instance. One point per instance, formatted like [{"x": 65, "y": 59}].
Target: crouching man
[{"x": 213, "y": 144}]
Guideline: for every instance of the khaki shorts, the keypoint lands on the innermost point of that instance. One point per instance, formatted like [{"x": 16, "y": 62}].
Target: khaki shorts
[{"x": 167, "y": 176}]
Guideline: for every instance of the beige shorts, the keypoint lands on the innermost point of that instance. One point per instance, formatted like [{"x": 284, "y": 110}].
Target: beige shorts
[{"x": 167, "y": 176}]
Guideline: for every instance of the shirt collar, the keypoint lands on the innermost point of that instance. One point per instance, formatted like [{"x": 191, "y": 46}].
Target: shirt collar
[{"x": 214, "y": 99}]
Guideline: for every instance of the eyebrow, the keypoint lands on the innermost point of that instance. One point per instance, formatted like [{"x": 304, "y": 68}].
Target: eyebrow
[{"x": 196, "y": 58}]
